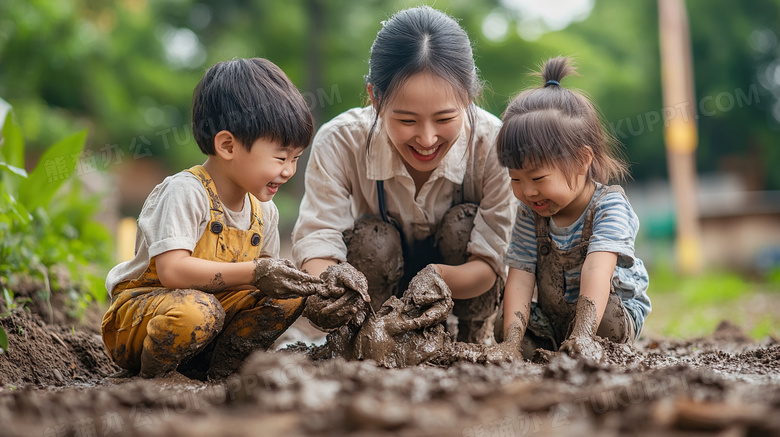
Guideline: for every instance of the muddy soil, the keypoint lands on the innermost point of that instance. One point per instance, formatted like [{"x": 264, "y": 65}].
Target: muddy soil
[{"x": 54, "y": 381}]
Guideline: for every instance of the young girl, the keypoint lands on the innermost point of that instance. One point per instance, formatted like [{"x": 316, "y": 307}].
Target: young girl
[
  {"x": 412, "y": 179},
  {"x": 573, "y": 237}
]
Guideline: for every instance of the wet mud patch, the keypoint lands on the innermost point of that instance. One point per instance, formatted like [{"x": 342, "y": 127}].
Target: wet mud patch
[
  {"x": 724, "y": 383},
  {"x": 41, "y": 354}
]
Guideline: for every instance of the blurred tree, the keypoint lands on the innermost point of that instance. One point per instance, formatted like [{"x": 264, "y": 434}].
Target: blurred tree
[{"x": 126, "y": 69}]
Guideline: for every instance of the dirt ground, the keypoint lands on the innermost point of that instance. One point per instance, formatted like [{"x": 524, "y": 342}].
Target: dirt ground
[{"x": 54, "y": 381}]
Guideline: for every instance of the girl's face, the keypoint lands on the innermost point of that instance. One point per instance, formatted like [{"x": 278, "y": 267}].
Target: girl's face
[
  {"x": 423, "y": 119},
  {"x": 545, "y": 190}
]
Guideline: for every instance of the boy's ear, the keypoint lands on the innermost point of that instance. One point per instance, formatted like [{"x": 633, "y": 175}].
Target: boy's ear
[
  {"x": 374, "y": 99},
  {"x": 225, "y": 144}
]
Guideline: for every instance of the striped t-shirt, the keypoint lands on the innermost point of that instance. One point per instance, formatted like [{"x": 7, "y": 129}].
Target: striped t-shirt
[{"x": 615, "y": 226}]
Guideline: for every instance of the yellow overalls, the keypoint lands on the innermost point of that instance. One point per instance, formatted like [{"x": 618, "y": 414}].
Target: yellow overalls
[{"x": 152, "y": 329}]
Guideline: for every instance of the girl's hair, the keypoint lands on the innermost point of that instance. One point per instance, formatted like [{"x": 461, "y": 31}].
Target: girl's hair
[
  {"x": 416, "y": 40},
  {"x": 551, "y": 125}
]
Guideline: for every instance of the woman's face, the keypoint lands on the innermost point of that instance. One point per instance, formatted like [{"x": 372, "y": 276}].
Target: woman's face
[{"x": 424, "y": 118}]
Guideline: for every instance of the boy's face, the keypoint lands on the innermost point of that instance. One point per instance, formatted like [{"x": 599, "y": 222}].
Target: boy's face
[{"x": 264, "y": 168}]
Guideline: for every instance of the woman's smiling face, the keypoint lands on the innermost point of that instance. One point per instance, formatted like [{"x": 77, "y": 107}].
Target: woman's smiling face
[{"x": 424, "y": 118}]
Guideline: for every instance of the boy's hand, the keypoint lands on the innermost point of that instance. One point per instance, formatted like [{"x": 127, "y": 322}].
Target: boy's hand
[
  {"x": 280, "y": 279},
  {"x": 583, "y": 345},
  {"x": 343, "y": 298}
]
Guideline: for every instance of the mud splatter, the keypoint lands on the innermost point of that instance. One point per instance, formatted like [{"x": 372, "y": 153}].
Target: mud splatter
[{"x": 217, "y": 283}]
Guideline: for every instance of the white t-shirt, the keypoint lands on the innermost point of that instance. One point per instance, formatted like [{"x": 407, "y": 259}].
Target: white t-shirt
[
  {"x": 341, "y": 187},
  {"x": 175, "y": 216}
]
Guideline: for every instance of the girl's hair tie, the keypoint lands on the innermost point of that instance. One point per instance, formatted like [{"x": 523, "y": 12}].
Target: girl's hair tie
[{"x": 551, "y": 82}]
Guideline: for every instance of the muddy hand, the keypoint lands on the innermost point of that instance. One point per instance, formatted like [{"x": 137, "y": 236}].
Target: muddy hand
[
  {"x": 502, "y": 353},
  {"x": 583, "y": 346},
  {"x": 508, "y": 350},
  {"x": 342, "y": 277},
  {"x": 329, "y": 313},
  {"x": 342, "y": 299},
  {"x": 427, "y": 287},
  {"x": 280, "y": 279}
]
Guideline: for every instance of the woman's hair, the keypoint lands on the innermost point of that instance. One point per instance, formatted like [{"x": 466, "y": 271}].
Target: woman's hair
[
  {"x": 552, "y": 125},
  {"x": 417, "y": 40}
]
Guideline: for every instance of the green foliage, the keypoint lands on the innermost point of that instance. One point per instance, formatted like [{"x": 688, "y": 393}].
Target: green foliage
[
  {"x": 46, "y": 223},
  {"x": 3, "y": 340},
  {"x": 127, "y": 69},
  {"x": 773, "y": 279},
  {"x": 685, "y": 306}
]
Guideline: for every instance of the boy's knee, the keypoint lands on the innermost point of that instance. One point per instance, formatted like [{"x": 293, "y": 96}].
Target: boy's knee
[
  {"x": 189, "y": 316},
  {"x": 454, "y": 233}
]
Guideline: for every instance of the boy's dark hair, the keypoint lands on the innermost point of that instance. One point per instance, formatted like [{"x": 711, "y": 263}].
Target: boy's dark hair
[
  {"x": 551, "y": 125},
  {"x": 416, "y": 40},
  {"x": 252, "y": 99}
]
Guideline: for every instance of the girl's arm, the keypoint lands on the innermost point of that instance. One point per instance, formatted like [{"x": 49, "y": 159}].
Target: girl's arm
[
  {"x": 595, "y": 285},
  {"x": 594, "y": 293},
  {"x": 517, "y": 303},
  {"x": 468, "y": 280},
  {"x": 517, "y": 309}
]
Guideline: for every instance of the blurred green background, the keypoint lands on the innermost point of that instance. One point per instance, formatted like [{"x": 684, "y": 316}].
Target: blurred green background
[{"x": 125, "y": 71}]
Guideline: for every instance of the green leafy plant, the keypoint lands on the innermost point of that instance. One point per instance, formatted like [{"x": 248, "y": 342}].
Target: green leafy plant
[
  {"x": 3, "y": 340},
  {"x": 47, "y": 226}
]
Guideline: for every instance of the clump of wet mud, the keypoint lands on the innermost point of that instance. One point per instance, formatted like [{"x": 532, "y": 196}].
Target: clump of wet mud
[{"x": 403, "y": 332}]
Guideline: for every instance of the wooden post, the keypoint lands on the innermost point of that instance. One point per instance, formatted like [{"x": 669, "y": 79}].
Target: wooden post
[{"x": 680, "y": 133}]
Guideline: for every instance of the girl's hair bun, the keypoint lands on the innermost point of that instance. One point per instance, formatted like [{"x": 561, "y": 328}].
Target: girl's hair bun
[{"x": 555, "y": 69}]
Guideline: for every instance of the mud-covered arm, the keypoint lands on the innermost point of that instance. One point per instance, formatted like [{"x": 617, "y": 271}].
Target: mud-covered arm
[
  {"x": 517, "y": 310},
  {"x": 594, "y": 294},
  {"x": 518, "y": 293},
  {"x": 595, "y": 284},
  {"x": 275, "y": 277}
]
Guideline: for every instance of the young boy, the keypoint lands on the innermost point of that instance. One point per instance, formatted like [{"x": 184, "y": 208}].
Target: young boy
[{"x": 206, "y": 287}]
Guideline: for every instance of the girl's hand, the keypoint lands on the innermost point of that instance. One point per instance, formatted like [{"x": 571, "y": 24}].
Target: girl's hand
[
  {"x": 508, "y": 350},
  {"x": 505, "y": 352},
  {"x": 583, "y": 346}
]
